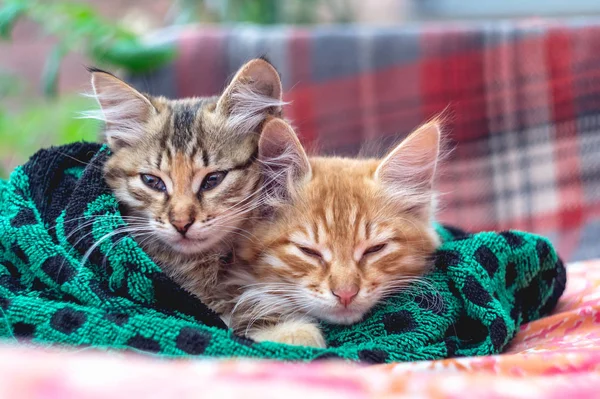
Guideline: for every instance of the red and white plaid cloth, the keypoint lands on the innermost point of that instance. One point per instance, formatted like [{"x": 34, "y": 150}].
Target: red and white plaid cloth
[{"x": 523, "y": 101}]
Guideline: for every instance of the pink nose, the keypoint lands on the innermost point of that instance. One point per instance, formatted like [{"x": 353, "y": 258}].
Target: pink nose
[
  {"x": 182, "y": 226},
  {"x": 345, "y": 295}
]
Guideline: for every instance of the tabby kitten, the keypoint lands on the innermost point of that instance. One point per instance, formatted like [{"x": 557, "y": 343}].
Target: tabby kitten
[
  {"x": 186, "y": 171},
  {"x": 344, "y": 233}
]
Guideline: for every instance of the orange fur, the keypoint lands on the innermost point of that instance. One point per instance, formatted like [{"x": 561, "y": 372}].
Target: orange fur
[{"x": 341, "y": 239}]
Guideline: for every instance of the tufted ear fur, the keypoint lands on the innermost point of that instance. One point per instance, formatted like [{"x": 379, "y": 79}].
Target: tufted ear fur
[
  {"x": 409, "y": 170},
  {"x": 284, "y": 161},
  {"x": 254, "y": 92},
  {"x": 124, "y": 110}
]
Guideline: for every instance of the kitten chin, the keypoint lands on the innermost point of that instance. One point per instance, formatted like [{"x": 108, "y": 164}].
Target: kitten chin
[
  {"x": 344, "y": 316},
  {"x": 189, "y": 246},
  {"x": 202, "y": 241},
  {"x": 343, "y": 234}
]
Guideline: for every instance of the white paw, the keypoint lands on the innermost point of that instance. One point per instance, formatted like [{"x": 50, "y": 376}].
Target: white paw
[{"x": 300, "y": 333}]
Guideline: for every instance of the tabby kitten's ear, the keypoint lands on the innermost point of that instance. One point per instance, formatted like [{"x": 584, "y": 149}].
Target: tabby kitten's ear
[
  {"x": 124, "y": 109},
  {"x": 284, "y": 161},
  {"x": 254, "y": 92},
  {"x": 409, "y": 170}
]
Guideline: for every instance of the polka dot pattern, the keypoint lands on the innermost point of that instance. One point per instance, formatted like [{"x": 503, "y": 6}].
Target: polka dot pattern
[
  {"x": 24, "y": 330},
  {"x": 67, "y": 320},
  {"x": 475, "y": 292},
  {"x": 445, "y": 259},
  {"x": 57, "y": 269},
  {"x": 486, "y": 258},
  {"x": 399, "y": 322},
  {"x": 192, "y": 341},
  {"x": 144, "y": 344},
  {"x": 481, "y": 288},
  {"x": 372, "y": 356}
]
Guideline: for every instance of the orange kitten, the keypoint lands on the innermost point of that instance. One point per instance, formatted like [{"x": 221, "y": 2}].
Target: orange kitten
[{"x": 343, "y": 234}]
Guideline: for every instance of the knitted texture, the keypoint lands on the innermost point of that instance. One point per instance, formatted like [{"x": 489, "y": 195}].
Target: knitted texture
[{"x": 68, "y": 276}]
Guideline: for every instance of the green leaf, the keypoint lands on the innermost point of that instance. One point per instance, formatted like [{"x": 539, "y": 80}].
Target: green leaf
[
  {"x": 44, "y": 123},
  {"x": 10, "y": 85},
  {"x": 9, "y": 15},
  {"x": 134, "y": 56},
  {"x": 51, "y": 70}
]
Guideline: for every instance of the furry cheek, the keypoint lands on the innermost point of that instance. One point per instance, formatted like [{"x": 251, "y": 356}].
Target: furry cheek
[
  {"x": 133, "y": 194},
  {"x": 288, "y": 267},
  {"x": 385, "y": 278}
]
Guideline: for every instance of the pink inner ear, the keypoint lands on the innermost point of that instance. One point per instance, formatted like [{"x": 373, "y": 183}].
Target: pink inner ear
[
  {"x": 264, "y": 77},
  {"x": 256, "y": 76},
  {"x": 253, "y": 94},
  {"x": 124, "y": 109},
  {"x": 409, "y": 169},
  {"x": 284, "y": 160},
  {"x": 278, "y": 141},
  {"x": 275, "y": 140}
]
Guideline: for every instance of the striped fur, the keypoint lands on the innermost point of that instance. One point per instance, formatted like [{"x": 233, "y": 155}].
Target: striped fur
[
  {"x": 324, "y": 236},
  {"x": 181, "y": 142}
]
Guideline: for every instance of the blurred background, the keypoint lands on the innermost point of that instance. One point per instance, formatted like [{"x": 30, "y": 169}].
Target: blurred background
[
  {"x": 519, "y": 81},
  {"x": 47, "y": 43}
]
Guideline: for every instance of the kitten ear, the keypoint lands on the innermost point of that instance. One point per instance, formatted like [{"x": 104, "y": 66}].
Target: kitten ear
[
  {"x": 283, "y": 158},
  {"x": 124, "y": 109},
  {"x": 408, "y": 171},
  {"x": 254, "y": 93}
]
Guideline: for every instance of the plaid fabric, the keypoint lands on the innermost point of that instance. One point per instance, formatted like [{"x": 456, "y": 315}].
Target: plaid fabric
[{"x": 523, "y": 101}]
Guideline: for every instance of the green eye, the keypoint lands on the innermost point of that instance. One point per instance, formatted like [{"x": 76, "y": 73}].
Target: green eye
[
  {"x": 154, "y": 182},
  {"x": 212, "y": 180}
]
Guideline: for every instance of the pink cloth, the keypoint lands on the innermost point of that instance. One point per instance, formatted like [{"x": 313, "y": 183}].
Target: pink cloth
[{"x": 555, "y": 357}]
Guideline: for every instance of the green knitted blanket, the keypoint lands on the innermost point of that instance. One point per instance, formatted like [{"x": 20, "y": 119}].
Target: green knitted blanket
[{"x": 56, "y": 208}]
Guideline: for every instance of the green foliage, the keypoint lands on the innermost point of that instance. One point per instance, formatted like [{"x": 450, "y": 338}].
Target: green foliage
[
  {"x": 32, "y": 123},
  {"x": 8, "y": 16},
  {"x": 263, "y": 12},
  {"x": 79, "y": 28},
  {"x": 42, "y": 124}
]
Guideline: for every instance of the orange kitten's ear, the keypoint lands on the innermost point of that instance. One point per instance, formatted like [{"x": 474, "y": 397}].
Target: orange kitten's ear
[
  {"x": 124, "y": 109},
  {"x": 284, "y": 160},
  {"x": 254, "y": 93},
  {"x": 408, "y": 171}
]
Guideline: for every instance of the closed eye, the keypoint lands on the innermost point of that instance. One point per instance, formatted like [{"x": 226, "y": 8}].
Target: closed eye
[
  {"x": 310, "y": 252},
  {"x": 374, "y": 249}
]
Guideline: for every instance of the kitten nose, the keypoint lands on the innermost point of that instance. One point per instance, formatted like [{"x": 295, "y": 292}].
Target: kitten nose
[
  {"x": 345, "y": 295},
  {"x": 182, "y": 226}
]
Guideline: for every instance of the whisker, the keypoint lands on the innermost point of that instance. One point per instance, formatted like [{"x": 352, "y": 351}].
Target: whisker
[
  {"x": 105, "y": 237},
  {"x": 80, "y": 161}
]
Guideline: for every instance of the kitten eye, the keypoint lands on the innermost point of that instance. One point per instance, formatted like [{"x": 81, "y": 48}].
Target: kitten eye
[
  {"x": 311, "y": 252},
  {"x": 212, "y": 180},
  {"x": 373, "y": 249},
  {"x": 155, "y": 183}
]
